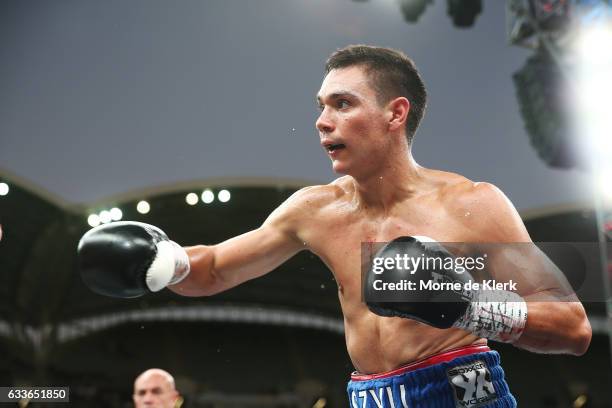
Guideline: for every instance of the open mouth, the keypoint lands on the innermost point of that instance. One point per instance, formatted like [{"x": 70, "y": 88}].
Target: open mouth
[{"x": 334, "y": 147}]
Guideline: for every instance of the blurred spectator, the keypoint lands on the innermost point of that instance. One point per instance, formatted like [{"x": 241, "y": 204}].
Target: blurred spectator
[{"x": 155, "y": 388}]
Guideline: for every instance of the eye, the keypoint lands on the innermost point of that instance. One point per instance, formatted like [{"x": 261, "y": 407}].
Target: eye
[
  {"x": 342, "y": 104},
  {"x": 320, "y": 107}
]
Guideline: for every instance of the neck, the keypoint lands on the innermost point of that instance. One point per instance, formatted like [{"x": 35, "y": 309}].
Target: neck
[{"x": 396, "y": 179}]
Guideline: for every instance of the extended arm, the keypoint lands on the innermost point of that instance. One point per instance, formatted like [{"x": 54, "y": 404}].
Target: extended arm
[
  {"x": 219, "y": 267},
  {"x": 129, "y": 259}
]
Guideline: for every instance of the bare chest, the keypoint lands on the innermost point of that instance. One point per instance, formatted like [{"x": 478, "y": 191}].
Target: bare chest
[{"x": 347, "y": 242}]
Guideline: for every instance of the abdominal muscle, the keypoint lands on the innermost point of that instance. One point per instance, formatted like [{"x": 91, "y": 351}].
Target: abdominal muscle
[{"x": 378, "y": 344}]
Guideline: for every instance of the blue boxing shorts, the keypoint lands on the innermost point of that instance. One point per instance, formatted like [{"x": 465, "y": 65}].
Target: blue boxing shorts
[{"x": 466, "y": 377}]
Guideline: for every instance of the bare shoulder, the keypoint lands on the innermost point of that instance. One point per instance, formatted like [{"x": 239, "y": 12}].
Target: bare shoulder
[
  {"x": 308, "y": 202},
  {"x": 313, "y": 198},
  {"x": 463, "y": 193},
  {"x": 484, "y": 208}
]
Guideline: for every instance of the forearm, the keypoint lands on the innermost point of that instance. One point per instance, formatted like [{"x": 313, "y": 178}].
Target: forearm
[
  {"x": 202, "y": 280},
  {"x": 542, "y": 322},
  {"x": 556, "y": 327}
]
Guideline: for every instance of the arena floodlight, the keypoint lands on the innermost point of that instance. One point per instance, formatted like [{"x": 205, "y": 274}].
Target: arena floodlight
[
  {"x": 463, "y": 12},
  {"x": 116, "y": 214},
  {"x": 224, "y": 196},
  {"x": 591, "y": 87},
  {"x": 544, "y": 109},
  {"x": 530, "y": 23},
  {"x": 105, "y": 216},
  {"x": 519, "y": 25},
  {"x": 592, "y": 90},
  {"x": 413, "y": 9},
  {"x": 208, "y": 196},
  {"x": 551, "y": 14},
  {"x": 4, "y": 189},
  {"x": 143, "y": 207},
  {"x": 604, "y": 185},
  {"x": 191, "y": 198},
  {"x": 93, "y": 220},
  {"x": 563, "y": 88}
]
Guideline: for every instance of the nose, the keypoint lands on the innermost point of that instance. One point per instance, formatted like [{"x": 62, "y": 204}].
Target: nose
[{"x": 324, "y": 123}]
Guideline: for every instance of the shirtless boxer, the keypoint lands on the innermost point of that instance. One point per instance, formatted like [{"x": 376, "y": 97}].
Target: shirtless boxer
[{"x": 371, "y": 102}]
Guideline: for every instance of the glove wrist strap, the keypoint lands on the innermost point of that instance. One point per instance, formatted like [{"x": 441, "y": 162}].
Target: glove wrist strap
[
  {"x": 496, "y": 315},
  {"x": 181, "y": 264},
  {"x": 170, "y": 266}
]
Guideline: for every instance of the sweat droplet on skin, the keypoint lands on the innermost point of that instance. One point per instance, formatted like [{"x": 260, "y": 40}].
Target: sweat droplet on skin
[{"x": 467, "y": 214}]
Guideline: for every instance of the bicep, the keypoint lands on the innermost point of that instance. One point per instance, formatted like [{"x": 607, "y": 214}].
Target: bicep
[
  {"x": 512, "y": 256},
  {"x": 533, "y": 273},
  {"x": 260, "y": 251}
]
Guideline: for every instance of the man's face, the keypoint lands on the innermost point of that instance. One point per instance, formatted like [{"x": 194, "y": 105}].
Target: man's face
[
  {"x": 352, "y": 125},
  {"x": 154, "y": 391}
]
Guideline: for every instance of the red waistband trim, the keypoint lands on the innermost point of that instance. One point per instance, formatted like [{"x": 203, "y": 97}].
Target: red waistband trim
[{"x": 426, "y": 362}]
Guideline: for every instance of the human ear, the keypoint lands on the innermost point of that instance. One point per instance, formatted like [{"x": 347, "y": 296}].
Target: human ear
[{"x": 399, "y": 108}]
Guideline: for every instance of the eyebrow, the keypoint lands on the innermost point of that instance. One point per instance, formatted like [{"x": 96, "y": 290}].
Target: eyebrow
[{"x": 336, "y": 95}]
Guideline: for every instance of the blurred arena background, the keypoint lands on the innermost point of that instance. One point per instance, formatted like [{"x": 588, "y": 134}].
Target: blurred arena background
[{"x": 198, "y": 117}]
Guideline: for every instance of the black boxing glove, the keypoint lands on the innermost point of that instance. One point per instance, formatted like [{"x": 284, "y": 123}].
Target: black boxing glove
[
  {"x": 497, "y": 315},
  {"x": 129, "y": 259}
]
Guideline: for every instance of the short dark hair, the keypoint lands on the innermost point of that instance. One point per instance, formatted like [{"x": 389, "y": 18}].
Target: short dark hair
[{"x": 393, "y": 74}]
